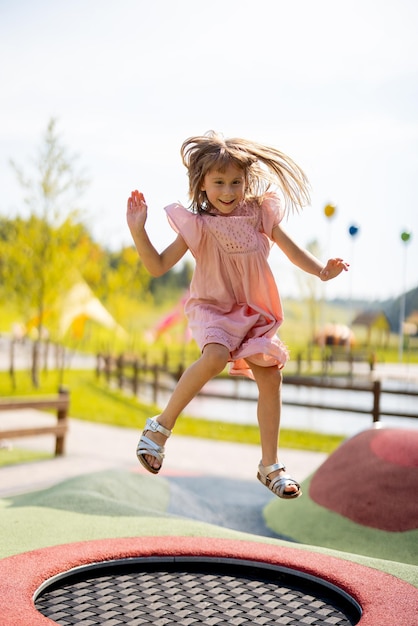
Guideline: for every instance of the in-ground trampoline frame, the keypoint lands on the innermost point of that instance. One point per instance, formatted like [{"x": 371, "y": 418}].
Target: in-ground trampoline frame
[
  {"x": 384, "y": 599},
  {"x": 312, "y": 597}
]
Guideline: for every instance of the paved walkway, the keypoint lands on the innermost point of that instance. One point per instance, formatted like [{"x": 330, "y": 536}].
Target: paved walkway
[{"x": 94, "y": 447}]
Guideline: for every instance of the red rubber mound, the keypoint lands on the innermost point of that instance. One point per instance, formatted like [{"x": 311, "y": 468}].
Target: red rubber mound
[{"x": 372, "y": 479}]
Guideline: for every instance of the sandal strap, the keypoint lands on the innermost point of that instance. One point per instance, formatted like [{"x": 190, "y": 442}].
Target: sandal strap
[
  {"x": 154, "y": 426},
  {"x": 265, "y": 470},
  {"x": 279, "y": 484},
  {"x": 147, "y": 446}
]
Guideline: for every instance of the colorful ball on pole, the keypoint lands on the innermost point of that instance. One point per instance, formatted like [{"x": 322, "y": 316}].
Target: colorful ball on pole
[
  {"x": 353, "y": 230},
  {"x": 406, "y": 236},
  {"x": 329, "y": 210}
]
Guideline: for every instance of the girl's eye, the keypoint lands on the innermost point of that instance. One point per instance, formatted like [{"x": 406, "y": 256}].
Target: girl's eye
[{"x": 221, "y": 182}]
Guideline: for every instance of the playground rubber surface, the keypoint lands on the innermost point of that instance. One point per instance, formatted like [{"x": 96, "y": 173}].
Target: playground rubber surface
[{"x": 122, "y": 513}]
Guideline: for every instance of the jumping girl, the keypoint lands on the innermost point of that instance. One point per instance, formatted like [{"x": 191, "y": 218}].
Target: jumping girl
[{"x": 240, "y": 191}]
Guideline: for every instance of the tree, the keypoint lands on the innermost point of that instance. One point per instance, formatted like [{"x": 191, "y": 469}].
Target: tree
[
  {"x": 38, "y": 250},
  {"x": 123, "y": 274}
]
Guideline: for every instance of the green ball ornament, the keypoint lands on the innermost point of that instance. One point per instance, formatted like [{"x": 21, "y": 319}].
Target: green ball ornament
[{"x": 406, "y": 236}]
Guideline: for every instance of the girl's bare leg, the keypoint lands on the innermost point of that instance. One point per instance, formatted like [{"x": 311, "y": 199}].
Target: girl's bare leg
[
  {"x": 211, "y": 363},
  {"x": 269, "y": 382}
]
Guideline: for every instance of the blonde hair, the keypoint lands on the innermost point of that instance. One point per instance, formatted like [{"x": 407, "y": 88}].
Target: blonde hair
[{"x": 263, "y": 167}]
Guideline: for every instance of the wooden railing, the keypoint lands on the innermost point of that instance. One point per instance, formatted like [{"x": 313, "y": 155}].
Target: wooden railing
[
  {"x": 132, "y": 374},
  {"x": 60, "y": 403}
]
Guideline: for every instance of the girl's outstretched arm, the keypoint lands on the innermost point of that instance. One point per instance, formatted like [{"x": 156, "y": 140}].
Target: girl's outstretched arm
[
  {"x": 156, "y": 263},
  {"x": 304, "y": 259}
]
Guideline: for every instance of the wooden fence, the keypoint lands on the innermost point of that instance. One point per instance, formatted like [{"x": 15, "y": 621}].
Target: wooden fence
[
  {"x": 60, "y": 403},
  {"x": 133, "y": 374}
]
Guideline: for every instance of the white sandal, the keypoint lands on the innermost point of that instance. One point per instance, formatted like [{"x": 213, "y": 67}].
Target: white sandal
[
  {"x": 280, "y": 483},
  {"x": 148, "y": 447}
]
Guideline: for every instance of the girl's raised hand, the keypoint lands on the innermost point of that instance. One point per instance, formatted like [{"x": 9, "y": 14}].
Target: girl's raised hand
[
  {"x": 136, "y": 213},
  {"x": 333, "y": 268}
]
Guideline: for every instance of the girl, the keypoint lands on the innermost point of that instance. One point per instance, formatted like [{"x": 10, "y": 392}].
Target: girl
[{"x": 234, "y": 308}]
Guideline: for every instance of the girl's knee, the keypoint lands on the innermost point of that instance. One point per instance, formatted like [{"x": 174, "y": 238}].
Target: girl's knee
[
  {"x": 216, "y": 357},
  {"x": 271, "y": 377}
]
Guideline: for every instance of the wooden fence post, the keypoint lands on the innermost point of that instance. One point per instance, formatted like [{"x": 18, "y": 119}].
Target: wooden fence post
[
  {"x": 135, "y": 377},
  {"x": 99, "y": 358},
  {"x": 108, "y": 367},
  {"x": 120, "y": 362},
  {"x": 376, "y": 400},
  {"x": 299, "y": 363},
  {"x": 62, "y": 415}
]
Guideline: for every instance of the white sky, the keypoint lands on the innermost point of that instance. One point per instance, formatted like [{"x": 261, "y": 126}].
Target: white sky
[{"x": 332, "y": 83}]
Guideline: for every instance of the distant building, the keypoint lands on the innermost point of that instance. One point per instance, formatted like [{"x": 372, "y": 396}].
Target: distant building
[
  {"x": 377, "y": 327},
  {"x": 410, "y": 326},
  {"x": 335, "y": 335}
]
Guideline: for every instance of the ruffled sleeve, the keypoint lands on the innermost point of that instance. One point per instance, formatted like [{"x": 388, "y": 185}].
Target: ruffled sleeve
[
  {"x": 187, "y": 224},
  {"x": 272, "y": 213}
]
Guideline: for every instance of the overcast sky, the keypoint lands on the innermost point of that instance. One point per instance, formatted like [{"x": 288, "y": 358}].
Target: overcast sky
[{"x": 332, "y": 83}]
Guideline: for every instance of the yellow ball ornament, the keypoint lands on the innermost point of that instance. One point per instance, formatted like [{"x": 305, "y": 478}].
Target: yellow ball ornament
[{"x": 329, "y": 210}]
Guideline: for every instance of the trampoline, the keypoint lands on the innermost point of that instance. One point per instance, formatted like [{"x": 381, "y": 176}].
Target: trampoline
[
  {"x": 189, "y": 591},
  {"x": 164, "y": 580}
]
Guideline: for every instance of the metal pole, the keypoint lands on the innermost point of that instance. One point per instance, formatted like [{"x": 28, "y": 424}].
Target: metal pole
[{"x": 405, "y": 236}]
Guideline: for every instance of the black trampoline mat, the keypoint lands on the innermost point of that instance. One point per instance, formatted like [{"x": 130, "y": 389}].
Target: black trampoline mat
[{"x": 187, "y": 592}]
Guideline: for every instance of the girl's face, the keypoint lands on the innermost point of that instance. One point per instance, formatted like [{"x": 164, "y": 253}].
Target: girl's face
[{"x": 224, "y": 190}]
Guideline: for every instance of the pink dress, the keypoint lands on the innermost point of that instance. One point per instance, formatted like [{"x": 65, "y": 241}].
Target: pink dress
[{"x": 234, "y": 300}]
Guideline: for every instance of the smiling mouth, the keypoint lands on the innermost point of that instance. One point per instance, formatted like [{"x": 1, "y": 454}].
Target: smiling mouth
[{"x": 227, "y": 203}]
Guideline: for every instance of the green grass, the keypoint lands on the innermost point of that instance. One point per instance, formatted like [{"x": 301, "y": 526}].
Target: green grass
[
  {"x": 93, "y": 400},
  {"x": 15, "y": 456},
  {"x": 297, "y": 439}
]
